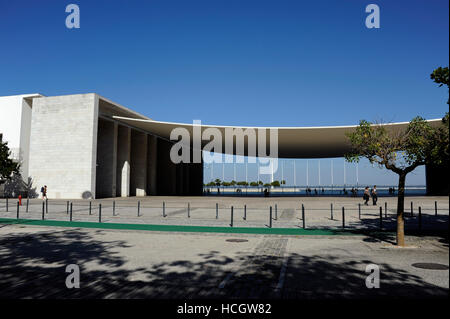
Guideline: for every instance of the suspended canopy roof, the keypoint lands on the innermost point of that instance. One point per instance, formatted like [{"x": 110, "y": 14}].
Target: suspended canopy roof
[{"x": 293, "y": 142}]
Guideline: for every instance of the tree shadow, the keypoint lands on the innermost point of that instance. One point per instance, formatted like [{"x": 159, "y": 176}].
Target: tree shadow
[{"x": 33, "y": 266}]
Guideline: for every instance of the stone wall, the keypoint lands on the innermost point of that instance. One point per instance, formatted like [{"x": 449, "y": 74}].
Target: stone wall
[{"x": 63, "y": 144}]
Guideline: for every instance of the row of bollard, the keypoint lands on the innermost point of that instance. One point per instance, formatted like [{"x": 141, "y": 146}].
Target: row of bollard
[{"x": 70, "y": 212}]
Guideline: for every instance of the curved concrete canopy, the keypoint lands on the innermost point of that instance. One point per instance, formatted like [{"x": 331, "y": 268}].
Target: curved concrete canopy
[{"x": 293, "y": 142}]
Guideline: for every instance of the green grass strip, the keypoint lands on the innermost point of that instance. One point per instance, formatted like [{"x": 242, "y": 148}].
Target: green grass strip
[{"x": 181, "y": 228}]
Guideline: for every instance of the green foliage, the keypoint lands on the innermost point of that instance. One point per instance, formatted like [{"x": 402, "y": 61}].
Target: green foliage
[
  {"x": 400, "y": 150},
  {"x": 440, "y": 76},
  {"x": 275, "y": 184},
  {"x": 7, "y": 166},
  {"x": 17, "y": 186}
]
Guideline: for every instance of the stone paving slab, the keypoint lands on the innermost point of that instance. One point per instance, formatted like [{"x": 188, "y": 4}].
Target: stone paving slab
[{"x": 137, "y": 264}]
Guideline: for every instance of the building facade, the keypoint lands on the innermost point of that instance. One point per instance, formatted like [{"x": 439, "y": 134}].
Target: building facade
[{"x": 73, "y": 145}]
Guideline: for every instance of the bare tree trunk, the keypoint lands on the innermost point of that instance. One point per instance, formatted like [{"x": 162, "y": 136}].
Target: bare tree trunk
[{"x": 400, "y": 210}]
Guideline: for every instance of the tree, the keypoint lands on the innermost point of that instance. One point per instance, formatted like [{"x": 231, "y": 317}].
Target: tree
[
  {"x": 400, "y": 151},
  {"x": 440, "y": 76},
  {"x": 275, "y": 184},
  {"x": 7, "y": 166},
  {"x": 17, "y": 186}
]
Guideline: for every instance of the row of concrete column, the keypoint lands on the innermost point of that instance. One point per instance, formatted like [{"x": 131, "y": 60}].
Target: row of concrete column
[{"x": 133, "y": 163}]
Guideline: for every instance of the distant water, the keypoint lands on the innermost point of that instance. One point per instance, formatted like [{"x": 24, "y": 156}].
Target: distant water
[{"x": 321, "y": 191}]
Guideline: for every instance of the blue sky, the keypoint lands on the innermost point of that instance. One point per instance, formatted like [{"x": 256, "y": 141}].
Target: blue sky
[{"x": 234, "y": 62}]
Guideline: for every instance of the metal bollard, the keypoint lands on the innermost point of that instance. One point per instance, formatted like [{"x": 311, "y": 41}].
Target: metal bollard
[
  {"x": 245, "y": 212},
  {"x": 71, "y": 211},
  {"x": 189, "y": 210},
  {"x": 139, "y": 207},
  {"x": 67, "y": 207},
  {"x": 359, "y": 210},
  {"x": 164, "y": 209},
  {"x": 343, "y": 217},
  {"x": 331, "y": 211},
  {"x": 420, "y": 219},
  {"x": 43, "y": 210},
  {"x": 17, "y": 210},
  {"x": 435, "y": 208},
  {"x": 412, "y": 214},
  {"x": 276, "y": 212},
  {"x": 99, "y": 212},
  {"x": 90, "y": 207},
  {"x": 270, "y": 217},
  {"x": 381, "y": 218},
  {"x": 46, "y": 205},
  {"x": 114, "y": 208},
  {"x": 231, "y": 216},
  {"x": 28, "y": 201},
  {"x": 217, "y": 210},
  {"x": 385, "y": 209},
  {"x": 303, "y": 216},
  {"x": 6, "y": 204}
]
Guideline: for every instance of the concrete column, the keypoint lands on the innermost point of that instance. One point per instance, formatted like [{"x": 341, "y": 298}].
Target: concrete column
[
  {"x": 106, "y": 159},
  {"x": 152, "y": 165},
  {"x": 123, "y": 161},
  {"x": 196, "y": 179},
  {"x": 114, "y": 165},
  {"x": 436, "y": 185},
  {"x": 186, "y": 177},
  {"x": 138, "y": 163},
  {"x": 166, "y": 176},
  {"x": 180, "y": 177}
]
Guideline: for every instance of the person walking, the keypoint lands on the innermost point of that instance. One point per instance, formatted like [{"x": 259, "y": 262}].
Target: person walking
[
  {"x": 374, "y": 195},
  {"x": 44, "y": 192},
  {"x": 366, "y": 195}
]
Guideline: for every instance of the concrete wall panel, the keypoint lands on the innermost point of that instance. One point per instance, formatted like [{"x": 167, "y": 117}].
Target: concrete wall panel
[{"x": 63, "y": 144}]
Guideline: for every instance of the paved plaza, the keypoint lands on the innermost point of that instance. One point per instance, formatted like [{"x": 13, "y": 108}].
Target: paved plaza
[
  {"x": 319, "y": 212},
  {"x": 149, "y": 264}
]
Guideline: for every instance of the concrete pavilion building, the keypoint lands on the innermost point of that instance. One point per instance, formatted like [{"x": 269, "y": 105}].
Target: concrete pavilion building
[
  {"x": 72, "y": 144},
  {"x": 86, "y": 146}
]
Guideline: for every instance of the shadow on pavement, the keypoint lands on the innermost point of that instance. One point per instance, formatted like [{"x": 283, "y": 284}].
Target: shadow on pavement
[{"x": 33, "y": 266}]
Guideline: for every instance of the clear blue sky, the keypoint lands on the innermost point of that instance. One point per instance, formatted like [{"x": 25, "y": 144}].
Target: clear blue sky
[{"x": 234, "y": 62}]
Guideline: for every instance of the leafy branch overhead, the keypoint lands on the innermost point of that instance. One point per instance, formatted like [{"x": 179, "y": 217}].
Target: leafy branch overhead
[
  {"x": 440, "y": 76},
  {"x": 400, "y": 150}
]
